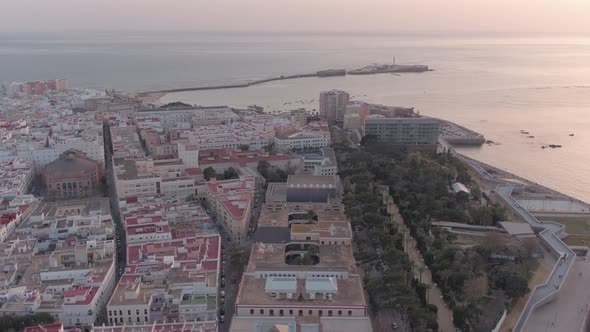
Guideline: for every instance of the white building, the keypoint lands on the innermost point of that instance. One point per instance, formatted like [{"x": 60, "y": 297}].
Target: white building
[
  {"x": 188, "y": 154},
  {"x": 320, "y": 163},
  {"x": 53, "y": 147},
  {"x": 152, "y": 177},
  {"x": 313, "y": 136}
]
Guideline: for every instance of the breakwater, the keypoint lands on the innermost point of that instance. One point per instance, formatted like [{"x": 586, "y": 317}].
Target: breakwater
[{"x": 321, "y": 73}]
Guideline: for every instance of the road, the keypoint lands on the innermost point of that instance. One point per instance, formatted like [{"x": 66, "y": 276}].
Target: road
[
  {"x": 119, "y": 231},
  {"x": 227, "y": 269}
]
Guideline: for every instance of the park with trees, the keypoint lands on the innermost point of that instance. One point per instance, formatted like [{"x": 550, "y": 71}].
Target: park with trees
[{"x": 477, "y": 282}]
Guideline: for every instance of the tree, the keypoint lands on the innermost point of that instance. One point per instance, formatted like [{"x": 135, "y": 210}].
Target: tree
[
  {"x": 209, "y": 173},
  {"x": 506, "y": 277},
  {"x": 16, "y": 323},
  {"x": 263, "y": 168},
  {"x": 368, "y": 139},
  {"x": 244, "y": 147},
  {"x": 238, "y": 257},
  {"x": 476, "y": 194},
  {"x": 311, "y": 216},
  {"x": 475, "y": 289},
  {"x": 269, "y": 147},
  {"x": 230, "y": 173}
]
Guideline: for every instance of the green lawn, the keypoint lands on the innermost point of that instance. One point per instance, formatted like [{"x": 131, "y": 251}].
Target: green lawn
[{"x": 573, "y": 225}]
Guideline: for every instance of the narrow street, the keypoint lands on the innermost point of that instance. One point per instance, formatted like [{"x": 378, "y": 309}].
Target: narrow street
[{"x": 227, "y": 306}]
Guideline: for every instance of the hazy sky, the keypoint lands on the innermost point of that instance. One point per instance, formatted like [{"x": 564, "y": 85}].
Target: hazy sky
[{"x": 296, "y": 15}]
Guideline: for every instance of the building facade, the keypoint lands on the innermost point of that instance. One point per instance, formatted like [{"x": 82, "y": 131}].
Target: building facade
[
  {"x": 333, "y": 105},
  {"x": 72, "y": 175},
  {"x": 231, "y": 201},
  {"x": 403, "y": 130}
]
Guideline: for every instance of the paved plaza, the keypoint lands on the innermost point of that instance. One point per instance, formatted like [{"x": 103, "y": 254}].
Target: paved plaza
[{"x": 568, "y": 310}]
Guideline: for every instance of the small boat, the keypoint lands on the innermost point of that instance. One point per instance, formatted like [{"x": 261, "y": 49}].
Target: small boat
[
  {"x": 571, "y": 134},
  {"x": 531, "y": 136}
]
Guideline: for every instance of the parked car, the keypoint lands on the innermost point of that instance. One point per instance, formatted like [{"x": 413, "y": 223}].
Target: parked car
[{"x": 234, "y": 278}]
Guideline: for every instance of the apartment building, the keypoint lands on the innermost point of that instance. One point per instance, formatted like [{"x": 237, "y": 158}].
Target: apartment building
[
  {"x": 333, "y": 105},
  {"x": 315, "y": 135},
  {"x": 150, "y": 177},
  {"x": 298, "y": 117},
  {"x": 207, "y": 326},
  {"x": 412, "y": 130},
  {"x": 65, "y": 260},
  {"x": 168, "y": 281},
  {"x": 15, "y": 178},
  {"x": 320, "y": 163},
  {"x": 231, "y": 201},
  {"x": 170, "y": 116},
  {"x": 43, "y": 152}
]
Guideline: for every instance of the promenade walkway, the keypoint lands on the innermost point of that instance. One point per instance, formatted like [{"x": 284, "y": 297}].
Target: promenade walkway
[
  {"x": 421, "y": 271},
  {"x": 548, "y": 232}
]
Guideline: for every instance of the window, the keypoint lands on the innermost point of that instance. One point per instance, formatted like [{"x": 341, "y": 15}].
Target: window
[
  {"x": 271, "y": 312},
  {"x": 110, "y": 312},
  {"x": 311, "y": 312},
  {"x": 349, "y": 312},
  {"x": 300, "y": 312},
  {"x": 251, "y": 311},
  {"x": 320, "y": 312},
  {"x": 121, "y": 313},
  {"x": 281, "y": 313},
  {"x": 339, "y": 312},
  {"x": 262, "y": 311},
  {"x": 129, "y": 312},
  {"x": 290, "y": 312},
  {"x": 145, "y": 311},
  {"x": 329, "y": 312}
]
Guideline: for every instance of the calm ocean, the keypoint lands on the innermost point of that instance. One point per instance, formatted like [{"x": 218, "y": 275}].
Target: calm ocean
[{"x": 497, "y": 85}]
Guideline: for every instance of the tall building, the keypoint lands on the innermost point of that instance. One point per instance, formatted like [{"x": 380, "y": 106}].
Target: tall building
[{"x": 333, "y": 105}]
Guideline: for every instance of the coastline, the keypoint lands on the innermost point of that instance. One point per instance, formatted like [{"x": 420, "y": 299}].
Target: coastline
[{"x": 508, "y": 175}]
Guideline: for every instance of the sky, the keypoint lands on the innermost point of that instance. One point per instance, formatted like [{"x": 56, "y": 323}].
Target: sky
[{"x": 556, "y": 16}]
